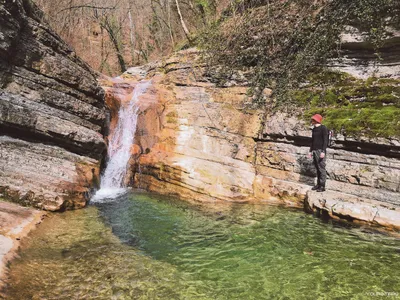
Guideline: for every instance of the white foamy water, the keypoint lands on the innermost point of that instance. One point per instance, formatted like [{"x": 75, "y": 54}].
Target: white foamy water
[
  {"x": 112, "y": 181},
  {"x": 108, "y": 195}
]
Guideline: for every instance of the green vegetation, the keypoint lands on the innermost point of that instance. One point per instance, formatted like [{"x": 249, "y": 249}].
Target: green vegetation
[
  {"x": 287, "y": 45},
  {"x": 278, "y": 43},
  {"x": 352, "y": 106},
  {"x": 172, "y": 117}
]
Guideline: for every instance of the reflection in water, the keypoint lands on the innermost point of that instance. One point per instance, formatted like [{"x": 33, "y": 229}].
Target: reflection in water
[{"x": 148, "y": 247}]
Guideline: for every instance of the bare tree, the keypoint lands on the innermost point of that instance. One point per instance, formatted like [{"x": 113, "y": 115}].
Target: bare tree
[
  {"x": 187, "y": 33},
  {"x": 112, "y": 34}
]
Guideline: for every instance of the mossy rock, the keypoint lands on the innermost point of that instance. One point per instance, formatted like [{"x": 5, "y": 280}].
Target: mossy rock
[
  {"x": 372, "y": 122},
  {"x": 353, "y": 106}
]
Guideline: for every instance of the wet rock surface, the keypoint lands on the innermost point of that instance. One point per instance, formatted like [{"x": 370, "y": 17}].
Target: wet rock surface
[
  {"x": 45, "y": 176},
  {"x": 15, "y": 223},
  {"x": 51, "y": 114},
  {"x": 350, "y": 207}
]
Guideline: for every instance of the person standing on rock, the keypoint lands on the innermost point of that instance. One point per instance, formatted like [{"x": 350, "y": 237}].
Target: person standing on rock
[{"x": 319, "y": 143}]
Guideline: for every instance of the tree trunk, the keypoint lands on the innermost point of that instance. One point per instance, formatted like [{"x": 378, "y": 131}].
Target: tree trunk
[
  {"x": 170, "y": 26},
  {"x": 185, "y": 29},
  {"x": 114, "y": 39},
  {"x": 132, "y": 37}
]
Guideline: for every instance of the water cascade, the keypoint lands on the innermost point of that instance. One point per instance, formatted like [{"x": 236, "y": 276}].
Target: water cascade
[{"x": 121, "y": 140}]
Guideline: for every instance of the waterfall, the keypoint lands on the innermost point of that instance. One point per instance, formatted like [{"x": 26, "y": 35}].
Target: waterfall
[{"x": 113, "y": 179}]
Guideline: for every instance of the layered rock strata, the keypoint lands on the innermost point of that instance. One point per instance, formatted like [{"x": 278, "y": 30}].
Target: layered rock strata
[
  {"x": 208, "y": 143},
  {"x": 362, "y": 185},
  {"x": 359, "y": 55},
  {"x": 51, "y": 114}
]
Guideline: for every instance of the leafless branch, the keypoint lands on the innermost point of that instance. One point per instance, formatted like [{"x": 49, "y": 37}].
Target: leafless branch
[{"x": 86, "y": 6}]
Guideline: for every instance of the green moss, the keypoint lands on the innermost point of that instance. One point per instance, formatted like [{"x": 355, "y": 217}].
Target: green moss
[
  {"x": 371, "y": 80},
  {"x": 315, "y": 100},
  {"x": 391, "y": 81},
  {"x": 376, "y": 122},
  {"x": 352, "y": 106},
  {"x": 172, "y": 114},
  {"x": 172, "y": 117},
  {"x": 353, "y": 121},
  {"x": 303, "y": 97},
  {"x": 330, "y": 78},
  {"x": 330, "y": 98},
  {"x": 384, "y": 98},
  {"x": 172, "y": 120}
]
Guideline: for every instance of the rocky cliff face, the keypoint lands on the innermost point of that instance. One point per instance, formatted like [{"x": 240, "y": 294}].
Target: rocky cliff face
[
  {"x": 208, "y": 143},
  {"x": 51, "y": 114},
  {"x": 359, "y": 56}
]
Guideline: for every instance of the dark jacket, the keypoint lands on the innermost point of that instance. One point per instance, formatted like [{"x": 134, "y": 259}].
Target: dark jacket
[{"x": 319, "y": 139}]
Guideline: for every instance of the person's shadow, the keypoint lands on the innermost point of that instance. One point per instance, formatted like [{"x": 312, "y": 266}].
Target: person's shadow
[{"x": 307, "y": 170}]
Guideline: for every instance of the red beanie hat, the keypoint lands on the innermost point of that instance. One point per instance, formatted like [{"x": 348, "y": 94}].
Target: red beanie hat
[{"x": 317, "y": 118}]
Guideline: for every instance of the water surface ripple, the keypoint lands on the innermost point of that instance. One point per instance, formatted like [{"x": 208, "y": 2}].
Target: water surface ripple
[{"x": 148, "y": 247}]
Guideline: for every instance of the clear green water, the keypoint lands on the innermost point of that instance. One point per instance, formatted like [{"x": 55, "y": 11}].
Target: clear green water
[{"x": 148, "y": 247}]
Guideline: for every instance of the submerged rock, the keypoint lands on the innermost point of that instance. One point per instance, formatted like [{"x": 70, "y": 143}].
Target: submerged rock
[
  {"x": 347, "y": 206},
  {"x": 51, "y": 114}
]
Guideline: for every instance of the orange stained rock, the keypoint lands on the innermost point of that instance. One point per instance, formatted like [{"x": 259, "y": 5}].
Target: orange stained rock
[{"x": 135, "y": 150}]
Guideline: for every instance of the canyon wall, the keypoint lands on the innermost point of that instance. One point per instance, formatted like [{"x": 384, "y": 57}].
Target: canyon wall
[
  {"x": 51, "y": 114},
  {"x": 195, "y": 139},
  {"x": 207, "y": 143}
]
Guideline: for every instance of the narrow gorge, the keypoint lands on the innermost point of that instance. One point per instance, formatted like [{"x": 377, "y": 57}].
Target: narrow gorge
[
  {"x": 194, "y": 139},
  {"x": 168, "y": 182}
]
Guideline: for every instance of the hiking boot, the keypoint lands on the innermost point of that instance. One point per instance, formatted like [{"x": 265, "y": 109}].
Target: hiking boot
[
  {"x": 314, "y": 188},
  {"x": 321, "y": 189}
]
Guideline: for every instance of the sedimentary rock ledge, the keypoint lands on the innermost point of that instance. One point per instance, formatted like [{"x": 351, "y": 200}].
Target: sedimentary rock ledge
[{"x": 15, "y": 223}]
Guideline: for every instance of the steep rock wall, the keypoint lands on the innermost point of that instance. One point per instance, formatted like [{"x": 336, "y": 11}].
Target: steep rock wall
[
  {"x": 359, "y": 56},
  {"x": 51, "y": 114},
  {"x": 208, "y": 143}
]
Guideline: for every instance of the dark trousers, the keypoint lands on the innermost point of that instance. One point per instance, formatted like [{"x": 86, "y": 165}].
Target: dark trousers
[{"x": 320, "y": 165}]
